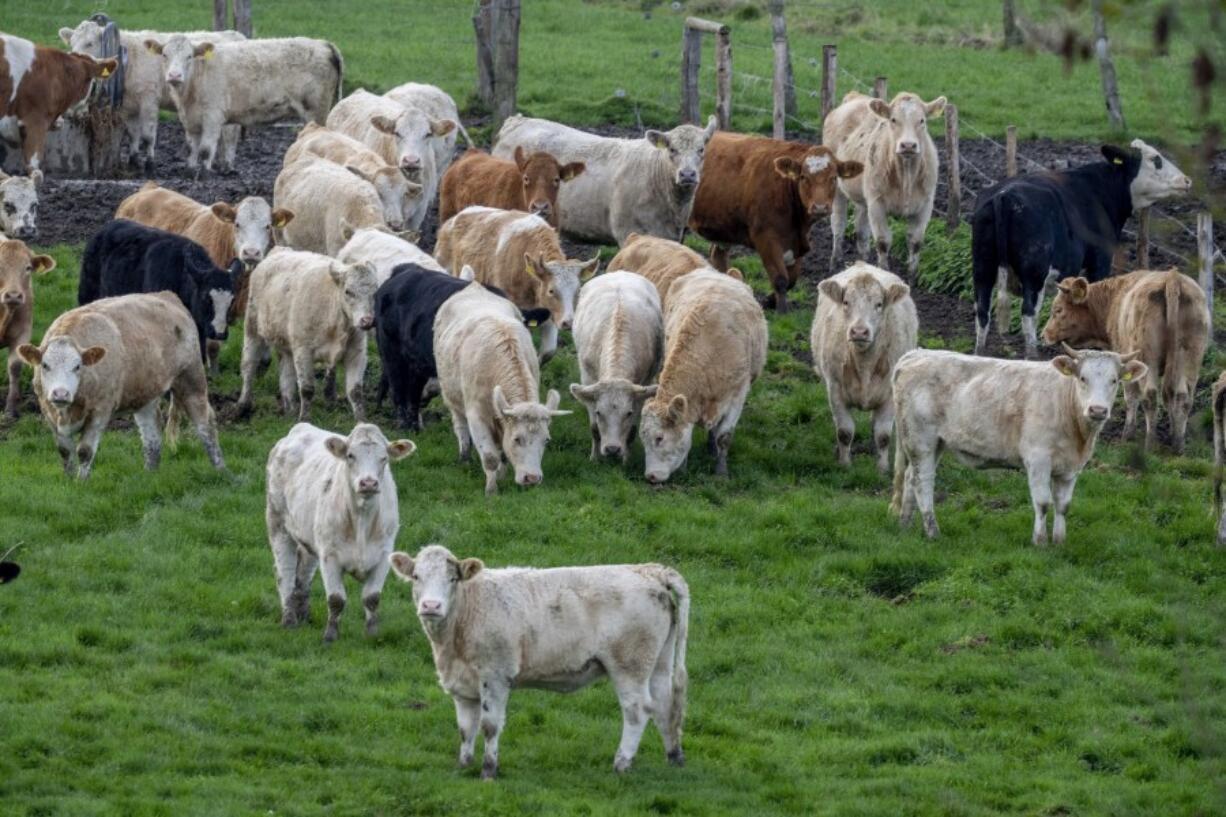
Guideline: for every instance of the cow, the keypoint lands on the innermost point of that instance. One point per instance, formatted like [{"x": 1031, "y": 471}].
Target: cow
[
  {"x": 766, "y": 193},
  {"x": 330, "y": 203},
  {"x": 715, "y": 340},
  {"x": 661, "y": 261},
  {"x": 865, "y": 321},
  {"x": 901, "y": 167},
  {"x": 385, "y": 251},
  {"x": 310, "y": 308},
  {"x": 252, "y": 82},
  {"x": 18, "y": 207},
  {"x": 628, "y": 185},
  {"x": 490, "y": 380},
  {"x": 437, "y": 104},
  {"x": 125, "y": 258},
  {"x": 120, "y": 354},
  {"x": 144, "y": 85},
  {"x": 331, "y": 501},
  {"x": 38, "y": 84},
  {"x": 1041, "y": 416},
  {"x": 18, "y": 266},
  {"x": 528, "y": 182},
  {"x": 1034, "y": 231},
  {"x": 1161, "y": 315},
  {"x": 405, "y": 137},
  {"x": 1219, "y": 455},
  {"x": 619, "y": 340},
  {"x": 520, "y": 254},
  {"x": 559, "y": 629}
]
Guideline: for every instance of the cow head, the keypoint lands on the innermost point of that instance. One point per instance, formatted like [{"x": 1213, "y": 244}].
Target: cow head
[
  {"x": 1096, "y": 379},
  {"x": 179, "y": 58},
  {"x": 254, "y": 221},
  {"x": 86, "y": 38},
  {"x": 59, "y": 366},
  {"x": 397, "y": 195},
  {"x": 863, "y": 301},
  {"x": 366, "y": 454},
  {"x": 214, "y": 293},
  {"x": 525, "y": 431},
  {"x": 541, "y": 176},
  {"x": 816, "y": 177},
  {"x": 17, "y": 267},
  {"x": 557, "y": 284},
  {"x": 357, "y": 284},
  {"x": 18, "y": 206},
  {"x": 907, "y": 116},
  {"x": 435, "y": 575},
  {"x": 684, "y": 145},
  {"x": 1072, "y": 320},
  {"x": 1152, "y": 177},
  {"x": 414, "y": 132},
  {"x": 612, "y": 406},
  {"x": 667, "y": 432}
]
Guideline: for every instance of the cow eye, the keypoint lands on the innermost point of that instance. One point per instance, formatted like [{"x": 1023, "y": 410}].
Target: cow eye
[
  {"x": 349, "y": 293},
  {"x": 46, "y": 368},
  {"x": 659, "y": 441},
  {"x": 519, "y": 440},
  {"x": 557, "y": 180},
  {"x": 922, "y": 120},
  {"x": 10, "y": 209},
  {"x": 600, "y": 415},
  {"x": 1083, "y": 380},
  {"x": 77, "y": 368},
  {"x": 1157, "y": 162},
  {"x": 351, "y": 458}
]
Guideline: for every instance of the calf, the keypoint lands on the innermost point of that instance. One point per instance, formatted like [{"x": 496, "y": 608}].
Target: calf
[
  {"x": 490, "y": 381},
  {"x": 437, "y": 104},
  {"x": 385, "y": 252},
  {"x": 715, "y": 340},
  {"x": 766, "y": 193},
  {"x": 310, "y": 308},
  {"x": 332, "y": 500},
  {"x": 252, "y": 82},
  {"x": 1162, "y": 316},
  {"x": 405, "y": 137},
  {"x": 865, "y": 321},
  {"x": 628, "y": 185},
  {"x": 661, "y": 261},
  {"x": 18, "y": 265},
  {"x": 38, "y": 85},
  {"x": 530, "y": 183},
  {"x": 561, "y": 629},
  {"x": 1219, "y": 454},
  {"x": 125, "y": 257},
  {"x": 901, "y": 167},
  {"x": 1044, "y": 417},
  {"x": 120, "y": 354},
  {"x": 619, "y": 338},
  {"x": 1033, "y": 231},
  {"x": 520, "y": 254},
  {"x": 18, "y": 207}
]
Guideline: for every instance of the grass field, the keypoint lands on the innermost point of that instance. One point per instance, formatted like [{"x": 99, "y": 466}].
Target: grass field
[{"x": 837, "y": 665}]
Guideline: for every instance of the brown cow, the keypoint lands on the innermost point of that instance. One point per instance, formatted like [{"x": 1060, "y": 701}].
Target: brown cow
[
  {"x": 1160, "y": 315},
  {"x": 37, "y": 86},
  {"x": 17, "y": 265},
  {"x": 660, "y": 261},
  {"x": 530, "y": 183},
  {"x": 766, "y": 193}
]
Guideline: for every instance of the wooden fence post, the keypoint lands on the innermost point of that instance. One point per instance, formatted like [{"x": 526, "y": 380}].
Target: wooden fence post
[
  {"x": 483, "y": 25},
  {"x": 1013, "y": 34},
  {"x": 953, "y": 204},
  {"x": 779, "y": 31},
  {"x": 1111, "y": 91},
  {"x": 1204, "y": 244},
  {"x": 1011, "y": 151},
  {"x": 881, "y": 88},
  {"x": 1143, "y": 238},
  {"x": 779, "y": 90},
  {"x": 830, "y": 67},
  {"x": 242, "y": 17},
  {"x": 691, "y": 58},
  {"x": 221, "y": 13},
  {"x": 506, "y": 59},
  {"x": 723, "y": 78}
]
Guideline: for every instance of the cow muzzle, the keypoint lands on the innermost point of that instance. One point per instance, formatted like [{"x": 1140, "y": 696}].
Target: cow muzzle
[
  {"x": 26, "y": 231},
  {"x": 528, "y": 480},
  {"x": 908, "y": 150},
  {"x": 612, "y": 450},
  {"x": 656, "y": 478},
  {"x": 859, "y": 336},
  {"x": 541, "y": 208},
  {"x": 59, "y": 398},
  {"x": 366, "y": 322},
  {"x": 250, "y": 257},
  {"x": 1097, "y": 414},
  {"x": 819, "y": 210},
  {"x": 430, "y": 609},
  {"x": 174, "y": 80},
  {"x": 15, "y": 298},
  {"x": 368, "y": 486},
  {"x": 687, "y": 178}
]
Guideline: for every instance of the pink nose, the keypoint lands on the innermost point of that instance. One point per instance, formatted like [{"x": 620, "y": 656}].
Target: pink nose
[
  {"x": 541, "y": 208},
  {"x": 430, "y": 607},
  {"x": 655, "y": 479},
  {"x": 14, "y": 297},
  {"x": 1097, "y": 412},
  {"x": 908, "y": 147},
  {"x": 820, "y": 209},
  {"x": 366, "y": 322},
  {"x": 59, "y": 396},
  {"x": 858, "y": 333},
  {"x": 368, "y": 485},
  {"x": 250, "y": 254},
  {"x": 530, "y": 479},
  {"x": 410, "y": 162},
  {"x": 174, "y": 79}
]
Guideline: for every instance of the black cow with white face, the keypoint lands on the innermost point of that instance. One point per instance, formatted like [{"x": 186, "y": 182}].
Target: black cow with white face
[
  {"x": 1045, "y": 227},
  {"x": 126, "y": 258}
]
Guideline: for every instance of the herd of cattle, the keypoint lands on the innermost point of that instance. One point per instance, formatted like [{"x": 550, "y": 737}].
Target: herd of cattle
[{"x": 666, "y": 339}]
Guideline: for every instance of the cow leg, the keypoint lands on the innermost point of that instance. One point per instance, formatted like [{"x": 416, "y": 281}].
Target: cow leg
[
  {"x": 1132, "y": 399},
  {"x": 414, "y": 398},
  {"x": 595, "y": 454},
  {"x": 1149, "y": 404},
  {"x": 1002, "y": 301},
  {"x": 907, "y": 509},
  {"x": 1032, "y": 302},
  {"x": 1179, "y": 406},
  {"x": 33, "y": 136},
  {"x": 330, "y": 385},
  {"x": 87, "y": 448},
  {"x": 372, "y": 591},
  {"x": 844, "y": 425},
  {"x": 14, "y": 394},
  {"x": 838, "y": 223},
  {"x": 304, "y": 368},
  {"x": 287, "y": 382},
  {"x": 863, "y": 233},
  {"x": 150, "y": 436},
  {"x": 213, "y": 350},
  {"x": 883, "y": 424},
  {"x": 459, "y": 424},
  {"x": 149, "y": 132},
  {"x": 253, "y": 347},
  {"x": 63, "y": 444},
  {"x": 191, "y": 392},
  {"x": 661, "y": 704},
  {"x": 334, "y": 590},
  {"x": 490, "y": 453},
  {"x": 634, "y": 695},
  {"x": 308, "y": 563},
  {"x": 722, "y": 431},
  {"x": 924, "y": 467},
  {"x": 879, "y": 223},
  {"x": 355, "y": 374},
  {"x": 210, "y": 138},
  {"x": 468, "y": 718},
  {"x": 285, "y": 562},
  {"x": 1064, "y": 497},
  {"x": 770, "y": 251},
  {"x": 719, "y": 257},
  {"x": 549, "y": 341},
  {"x": 1038, "y": 473},
  {"x": 494, "y": 695},
  {"x": 916, "y": 230}
]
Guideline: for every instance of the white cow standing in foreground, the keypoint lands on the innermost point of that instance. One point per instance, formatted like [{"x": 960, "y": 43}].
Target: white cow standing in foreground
[
  {"x": 1043, "y": 417},
  {"x": 558, "y": 629},
  {"x": 332, "y": 501}
]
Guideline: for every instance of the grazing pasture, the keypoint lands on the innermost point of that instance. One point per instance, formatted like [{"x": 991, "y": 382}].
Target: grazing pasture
[{"x": 837, "y": 665}]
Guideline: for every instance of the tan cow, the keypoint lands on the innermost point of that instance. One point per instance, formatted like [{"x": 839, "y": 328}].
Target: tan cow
[
  {"x": 520, "y": 254},
  {"x": 900, "y": 173},
  {"x": 120, "y": 354},
  {"x": 1162, "y": 316},
  {"x": 715, "y": 340},
  {"x": 1219, "y": 454},
  {"x": 865, "y": 321},
  {"x": 18, "y": 265},
  {"x": 530, "y": 182},
  {"x": 661, "y": 261}
]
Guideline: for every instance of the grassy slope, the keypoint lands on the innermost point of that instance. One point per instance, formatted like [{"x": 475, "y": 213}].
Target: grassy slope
[{"x": 836, "y": 666}]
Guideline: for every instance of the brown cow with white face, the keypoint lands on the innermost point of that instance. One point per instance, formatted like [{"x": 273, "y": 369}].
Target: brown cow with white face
[
  {"x": 529, "y": 183},
  {"x": 17, "y": 268}
]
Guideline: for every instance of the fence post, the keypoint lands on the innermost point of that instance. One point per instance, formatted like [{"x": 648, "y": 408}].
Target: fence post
[
  {"x": 691, "y": 58},
  {"x": 1143, "y": 238},
  {"x": 483, "y": 25},
  {"x": 953, "y": 205},
  {"x": 221, "y": 12},
  {"x": 1111, "y": 91},
  {"x": 1011, "y": 151},
  {"x": 723, "y": 78},
  {"x": 830, "y": 67},
  {"x": 506, "y": 59},
  {"x": 1013, "y": 34},
  {"x": 242, "y": 17},
  {"x": 779, "y": 90},
  {"x": 881, "y": 88},
  {"x": 779, "y": 31},
  {"x": 1204, "y": 245}
]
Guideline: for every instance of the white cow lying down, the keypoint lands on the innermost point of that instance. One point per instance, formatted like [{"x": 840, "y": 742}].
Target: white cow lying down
[{"x": 558, "y": 629}]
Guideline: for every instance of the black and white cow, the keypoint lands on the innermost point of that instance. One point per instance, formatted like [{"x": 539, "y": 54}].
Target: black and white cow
[
  {"x": 125, "y": 258},
  {"x": 1045, "y": 227}
]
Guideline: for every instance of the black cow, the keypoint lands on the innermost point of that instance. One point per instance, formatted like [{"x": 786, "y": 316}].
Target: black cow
[
  {"x": 1046, "y": 227},
  {"x": 125, "y": 258}
]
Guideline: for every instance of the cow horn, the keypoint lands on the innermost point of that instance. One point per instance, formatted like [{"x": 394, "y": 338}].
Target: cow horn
[
  {"x": 1070, "y": 351},
  {"x": 1131, "y": 356}
]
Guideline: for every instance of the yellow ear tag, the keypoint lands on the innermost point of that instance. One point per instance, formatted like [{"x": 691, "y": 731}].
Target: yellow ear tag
[
  {"x": 208, "y": 55},
  {"x": 1127, "y": 376},
  {"x": 532, "y": 323},
  {"x": 1118, "y": 161},
  {"x": 106, "y": 72}
]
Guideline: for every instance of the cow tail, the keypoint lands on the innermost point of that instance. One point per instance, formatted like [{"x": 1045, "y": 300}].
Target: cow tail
[
  {"x": 1002, "y": 266},
  {"x": 338, "y": 62},
  {"x": 900, "y": 473},
  {"x": 1172, "y": 377},
  {"x": 1219, "y": 445},
  {"x": 680, "y": 680},
  {"x": 172, "y": 424}
]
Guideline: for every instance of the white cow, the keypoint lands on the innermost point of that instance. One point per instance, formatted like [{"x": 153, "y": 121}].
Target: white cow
[
  {"x": 1044, "y": 417},
  {"x": 560, "y": 630},
  {"x": 437, "y": 104},
  {"x": 18, "y": 206},
  {"x": 332, "y": 500},
  {"x": 385, "y": 252}
]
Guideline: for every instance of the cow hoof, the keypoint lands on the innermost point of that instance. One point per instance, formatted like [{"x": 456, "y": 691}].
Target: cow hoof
[
  {"x": 489, "y": 770},
  {"x": 330, "y": 634},
  {"x": 621, "y": 765},
  {"x": 289, "y": 619},
  {"x": 676, "y": 757}
]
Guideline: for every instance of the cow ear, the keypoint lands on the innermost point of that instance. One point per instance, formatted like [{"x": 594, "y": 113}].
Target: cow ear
[
  {"x": 832, "y": 290},
  {"x": 657, "y": 139},
  {"x": 361, "y": 174},
  {"x": 337, "y": 447},
  {"x": 92, "y": 355},
  {"x": 534, "y": 267},
  {"x": 1133, "y": 370},
  {"x": 401, "y": 449},
  {"x": 441, "y": 127},
  {"x": 850, "y": 169},
  {"x": 521, "y": 158},
  {"x": 677, "y": 408},
  {"x": 337, "y": 273},
  {"x": 42, "y": 264},
  {"x": 589, "y": 268},
  {"x": 281, "y": 217},
  {"x": 1078, "y": 290},
  {"x": 712, "y": 127},
  {"x": 467, "y": 273},
  {"x": 383, "y": 124},
  {"x": 896, "y": 292},
  {"x": 225, "y": 212},
  {"x": 736, "y": 274},
  {"x": 153, "y": 47},
  {"x": 30, "y": 353},
  {"x": 106, "y": 67},
  {"x": 204, "y": 50},
  {"x": 66, "y": 35},
  {"x": 347, "y": 229},
  {"x": 880, "y": 107},
  {"x": 552, "y": 399},
  {"x": 402, "y": 565},
  {"x": 787, "y": 167},
  {"x": 584, "y": 394},
  {"x": 469, "y": 568},
  {"x": 936, "y": 107},
  {"x": 1116, "y": 155},
  {"x": 571, "y": 170},
  {"x": 1065, "y": 365}
]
